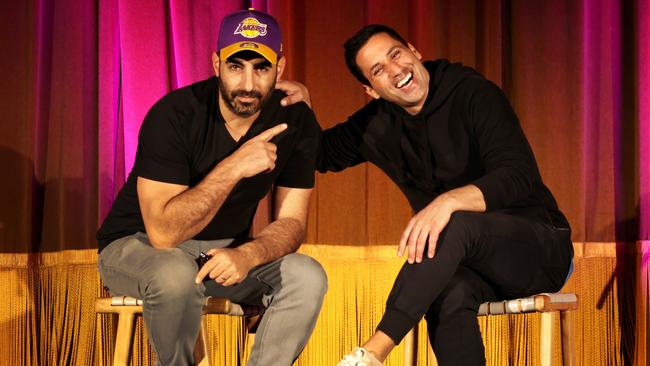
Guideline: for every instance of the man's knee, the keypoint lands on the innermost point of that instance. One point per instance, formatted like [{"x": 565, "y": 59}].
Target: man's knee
[
  {"x": 305, "y": 274},
  {"x": 171, "y": 275},
  {"x": 463, "y": 222},
  {"x": 463, "y": 228}
]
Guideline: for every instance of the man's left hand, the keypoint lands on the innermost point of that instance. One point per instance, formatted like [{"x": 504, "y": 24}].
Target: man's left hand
[
  {"x": 228, "y": 266},
  {"x": 426, "y": 224},
  {"x": 296, "y": 92}
]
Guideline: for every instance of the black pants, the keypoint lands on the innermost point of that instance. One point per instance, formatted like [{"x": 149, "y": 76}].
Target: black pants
[{"x": 479, "y": 257}]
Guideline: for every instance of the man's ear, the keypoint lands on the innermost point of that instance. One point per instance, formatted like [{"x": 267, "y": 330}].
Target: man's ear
[
  {"x": 215, "y": 63},
  {"x": 415, "y": 52},
  {"x": 370, "y": 91},
  {"x": 282, "y": 63}
]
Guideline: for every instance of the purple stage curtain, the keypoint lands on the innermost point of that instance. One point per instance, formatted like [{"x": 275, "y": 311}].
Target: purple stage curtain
[{"x": 79, "y": 76}]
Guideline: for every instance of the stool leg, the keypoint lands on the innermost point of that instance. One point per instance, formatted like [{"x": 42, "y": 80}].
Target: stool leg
[
  {"x": 546, "y": 339},
  {"x": 568, "y": 339},
  {"x": 201, "y": 356},
  {"x": 123, "y": 339},
  {"x": 410, "y": 347}
]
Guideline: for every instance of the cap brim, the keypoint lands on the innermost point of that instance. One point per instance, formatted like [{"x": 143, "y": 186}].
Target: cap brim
[{"x": 263, "y": 50}]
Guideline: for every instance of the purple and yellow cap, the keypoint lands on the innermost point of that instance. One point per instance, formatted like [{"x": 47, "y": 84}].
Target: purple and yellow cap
[{"x": 250, "y": 30}]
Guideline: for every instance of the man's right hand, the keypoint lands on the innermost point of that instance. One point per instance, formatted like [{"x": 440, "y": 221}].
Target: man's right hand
[
  {"x": 228, "y": 266},
  {"x": 256, "y": 155}
]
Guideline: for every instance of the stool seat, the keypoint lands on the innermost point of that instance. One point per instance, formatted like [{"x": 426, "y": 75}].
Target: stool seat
[
  {"x": 128, "y": 307},
  {"x": 548, "y": 304},
  {"x": 212, "y": 305}
]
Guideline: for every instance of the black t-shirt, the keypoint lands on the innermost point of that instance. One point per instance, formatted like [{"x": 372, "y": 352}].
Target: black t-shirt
[{"x": 183, "y": 137}]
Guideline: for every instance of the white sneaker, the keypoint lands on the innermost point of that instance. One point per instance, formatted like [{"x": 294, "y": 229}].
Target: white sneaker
[{"x": 359, "y": 357}]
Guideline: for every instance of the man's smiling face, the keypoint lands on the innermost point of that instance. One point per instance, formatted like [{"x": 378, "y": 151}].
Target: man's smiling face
[{"x": 394, "y": 71}]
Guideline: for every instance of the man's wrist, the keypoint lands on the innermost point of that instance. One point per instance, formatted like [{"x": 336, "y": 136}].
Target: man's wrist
[
  {"x": 228, "y": 170},
  {"x": 467, "y": 198},
  {"x": 450, "y": 201},
  {"x": 248, "y": 252}
]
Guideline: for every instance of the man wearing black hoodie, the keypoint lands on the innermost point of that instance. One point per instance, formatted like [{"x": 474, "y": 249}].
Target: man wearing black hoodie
[{"x": 486, "y": 227}]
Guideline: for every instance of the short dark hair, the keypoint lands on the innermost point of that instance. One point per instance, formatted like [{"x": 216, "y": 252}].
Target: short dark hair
[{"x": 354, "y": 44}]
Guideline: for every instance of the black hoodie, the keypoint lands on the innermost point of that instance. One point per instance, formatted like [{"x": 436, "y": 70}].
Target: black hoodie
[{"x": 473, "y": 136}]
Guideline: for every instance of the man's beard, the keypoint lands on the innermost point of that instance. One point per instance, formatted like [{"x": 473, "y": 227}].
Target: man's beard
[{"x": 240, "y": 108}]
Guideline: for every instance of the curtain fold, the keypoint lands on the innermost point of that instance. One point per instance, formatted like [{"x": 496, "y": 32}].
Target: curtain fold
[{"x": 641, "y": 32}]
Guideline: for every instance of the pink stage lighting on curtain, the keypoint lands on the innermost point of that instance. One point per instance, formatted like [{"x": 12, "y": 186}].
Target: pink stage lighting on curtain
[
  {"x": 643, "y": 67},
  {"x": 141, "y": 59}
]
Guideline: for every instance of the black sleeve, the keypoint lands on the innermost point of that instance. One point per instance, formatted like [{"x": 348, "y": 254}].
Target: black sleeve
[
  {"x": 298, "y": 172},
  {"x": 340, "y": 145},
  {"x": 510, "y": 167},
  {"x": 162, "y": 153}
]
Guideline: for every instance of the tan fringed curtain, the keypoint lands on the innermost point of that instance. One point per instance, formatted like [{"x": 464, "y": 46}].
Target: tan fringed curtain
[
  {"x": 48, "y": 315},
  {"x": 360, "y": 279}
]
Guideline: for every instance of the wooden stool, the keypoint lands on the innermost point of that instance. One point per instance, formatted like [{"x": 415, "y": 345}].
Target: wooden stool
[
  {"x": 128, "y": 307},
  {"x": 547, "y": 304}
]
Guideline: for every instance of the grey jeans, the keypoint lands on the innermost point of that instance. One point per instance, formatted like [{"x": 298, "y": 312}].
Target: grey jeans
[{"x": 292, "y": 289}]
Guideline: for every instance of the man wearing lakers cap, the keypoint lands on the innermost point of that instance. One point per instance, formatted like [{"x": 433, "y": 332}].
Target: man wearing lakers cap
[{"x": 207, "y": 154}]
